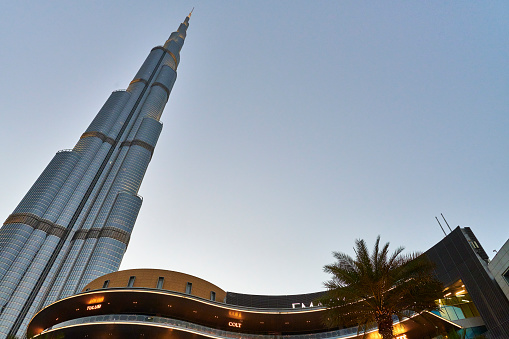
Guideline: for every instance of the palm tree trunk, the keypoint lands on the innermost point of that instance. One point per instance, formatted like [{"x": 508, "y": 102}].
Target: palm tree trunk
[{"x": 385, "y": 326}]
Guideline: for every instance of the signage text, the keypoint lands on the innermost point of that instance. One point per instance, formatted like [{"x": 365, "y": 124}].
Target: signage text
[{"x": 94, "y": 307}]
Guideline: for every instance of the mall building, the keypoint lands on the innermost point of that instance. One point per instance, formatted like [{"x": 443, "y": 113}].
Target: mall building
[{"x": 150, "y": 303}]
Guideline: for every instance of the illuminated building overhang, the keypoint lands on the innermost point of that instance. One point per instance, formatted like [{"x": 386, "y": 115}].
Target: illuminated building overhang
[{"x": 187, "y": 308}]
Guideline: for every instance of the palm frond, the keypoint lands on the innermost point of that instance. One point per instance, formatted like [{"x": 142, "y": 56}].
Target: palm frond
[{"x": 373, "y": 285}]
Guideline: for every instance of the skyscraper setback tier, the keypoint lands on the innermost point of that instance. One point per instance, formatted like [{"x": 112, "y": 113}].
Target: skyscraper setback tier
[{"x": 75, "y": 222}]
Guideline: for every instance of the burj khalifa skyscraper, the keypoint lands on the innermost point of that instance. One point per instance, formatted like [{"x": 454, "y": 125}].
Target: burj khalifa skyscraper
[{"x": 75, "y": 222}]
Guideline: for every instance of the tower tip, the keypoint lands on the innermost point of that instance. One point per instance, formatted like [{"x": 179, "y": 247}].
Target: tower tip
[{"x": 189, "y": 16}]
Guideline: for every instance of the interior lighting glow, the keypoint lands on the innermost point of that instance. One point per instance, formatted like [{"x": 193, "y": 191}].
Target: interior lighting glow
[
  {"x": 235, "y": 314},
  {"x": 96, "y": 300},
  {"x": 460, "y": 292},
  {"x": 448, "y": 294}
]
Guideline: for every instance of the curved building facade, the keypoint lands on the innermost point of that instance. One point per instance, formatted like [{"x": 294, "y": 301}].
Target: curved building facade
[
  {"x": 153, "y": 303},
  {"x": 165, "y": 304}
]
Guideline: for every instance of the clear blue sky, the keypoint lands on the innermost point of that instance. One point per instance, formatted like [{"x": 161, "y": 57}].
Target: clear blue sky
[{"x": 294, "y": 127}]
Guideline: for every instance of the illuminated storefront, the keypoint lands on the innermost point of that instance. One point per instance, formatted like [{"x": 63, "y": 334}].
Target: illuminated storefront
[
  {"x": 183, "y": 306},
  {"x": 148, "y": 303}
]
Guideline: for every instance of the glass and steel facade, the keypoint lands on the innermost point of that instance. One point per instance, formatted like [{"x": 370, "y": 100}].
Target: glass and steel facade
[
  {"x": 75, "y": 222},
  {"x": 462, "y": 262}
]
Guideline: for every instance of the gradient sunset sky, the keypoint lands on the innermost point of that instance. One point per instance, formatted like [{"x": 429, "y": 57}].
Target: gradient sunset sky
[{"x": 294, "y": 127}]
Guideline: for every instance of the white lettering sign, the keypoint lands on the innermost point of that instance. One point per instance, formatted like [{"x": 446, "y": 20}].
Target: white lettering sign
[
  {"x": 234, "y": 324},
  {"x": 301, "y": 305}
]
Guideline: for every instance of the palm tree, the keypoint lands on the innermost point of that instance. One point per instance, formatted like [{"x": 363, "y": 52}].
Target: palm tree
[{"x": 371, "y": 288}]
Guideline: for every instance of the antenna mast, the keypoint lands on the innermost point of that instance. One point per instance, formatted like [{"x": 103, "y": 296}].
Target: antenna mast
[
  {"x": 441, "y": 226},
  {"x": 446, "y": 221}
]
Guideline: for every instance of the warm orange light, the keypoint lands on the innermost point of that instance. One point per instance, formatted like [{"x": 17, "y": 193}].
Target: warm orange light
[
  {"x": 38, "y": 330},
  {"x": 235, "y": 314},
  {"x": 94, "y": 307},
  {"x": 96, "y": 300}
]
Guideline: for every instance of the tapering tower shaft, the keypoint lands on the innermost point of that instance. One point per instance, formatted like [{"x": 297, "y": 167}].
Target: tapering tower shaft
[{"x": 74, "y": 224}]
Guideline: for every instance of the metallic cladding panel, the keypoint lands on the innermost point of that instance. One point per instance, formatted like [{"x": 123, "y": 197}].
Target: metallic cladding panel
[
  {"x": 109, "y": 112},
  {"x": 106, "y": 258},
  {"x": 64, "y": 273},
  {"x": 13, "y": 239},
  {"x": 46, "y": 187},
  {"x": 167, "y": 77},
  {"x": 75, "y": 188},
  {"x": 177, "y": 35},
  {"x": 89, "y": 174},
  {"x": 124, "y": 212},
  {"x": 149, "y": 65},
  {"x": 272, "y": 301},
  {"x": 149, "y": 131},
  {"x": 455, "y": 259},
  {"x": 126, "y": 176},
  {"x": 89, "y": 145},
  {"x": 125, "y": 115},
  {"x": 174, "y": 48},
  {"x": 133, "y": 170},
  {"x": 155, "y": 103},
  {"x": 75, "y": 271},
  {"x": 24, "y": 274},
  {"x": 12, "y": 280},
  {"x": 71, "y": 192},
  {"x": 136, "y": 86},
  {"x": 169, "y": 61},
  {"x": 471, "y": 238},
  {"x": 104, "y": 196}
]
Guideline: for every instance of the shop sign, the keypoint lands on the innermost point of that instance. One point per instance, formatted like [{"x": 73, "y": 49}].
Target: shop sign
[
  {"x": 234, "y": 324},
  {"x": 302, "y": 305},
  {"x": 94, "y": 307}
]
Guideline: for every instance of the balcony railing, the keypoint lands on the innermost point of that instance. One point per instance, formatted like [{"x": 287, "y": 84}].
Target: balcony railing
[{"x": 198, "y": 329}]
